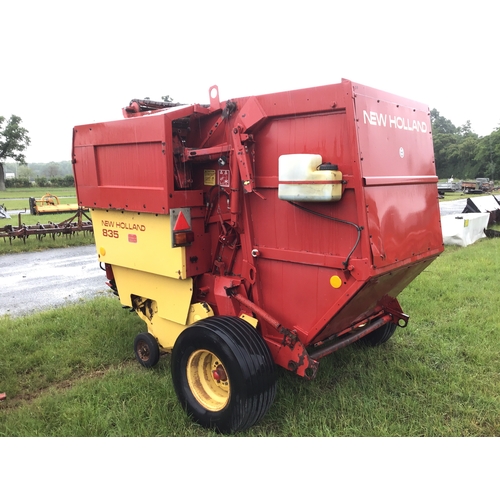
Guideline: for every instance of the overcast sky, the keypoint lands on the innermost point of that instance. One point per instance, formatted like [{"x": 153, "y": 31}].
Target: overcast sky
[{"x": 71, "y": 63}]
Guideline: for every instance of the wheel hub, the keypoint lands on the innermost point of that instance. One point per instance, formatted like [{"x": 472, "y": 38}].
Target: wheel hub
[
  {"x": 143, "y": 351},
  {"x": 208, "y": 380},
  {"x": 219, "y": 374}
]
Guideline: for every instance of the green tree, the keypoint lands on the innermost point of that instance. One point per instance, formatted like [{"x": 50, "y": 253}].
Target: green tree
[
  {"x": 445, "y": 150},
  {"x": 466, "y": 130},
  {"x": 455, "y": 149},
  {"x": 445, "y": 144},
  {"x": 466, "y": 161},
  {"x": 488, "y": 155},
  {"x": 14, "y": 140},
  {"x": 166, "y": 98},
  {"x": 441, "y": 125}
]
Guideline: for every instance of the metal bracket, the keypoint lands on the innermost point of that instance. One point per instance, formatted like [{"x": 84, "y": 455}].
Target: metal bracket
[
  {"x": 243, "y": 159},
  {"x": 392, "y": 307}
]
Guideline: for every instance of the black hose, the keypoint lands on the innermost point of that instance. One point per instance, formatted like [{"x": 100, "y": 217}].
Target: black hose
[{"x": 334, "y": 219}]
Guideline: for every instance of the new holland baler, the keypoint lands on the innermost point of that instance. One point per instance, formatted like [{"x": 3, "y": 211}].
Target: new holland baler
[{"x": 260, "y": 231}]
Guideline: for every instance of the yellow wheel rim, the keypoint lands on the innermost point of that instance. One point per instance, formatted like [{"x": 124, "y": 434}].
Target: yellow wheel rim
[{"x": 208, "y": 380}]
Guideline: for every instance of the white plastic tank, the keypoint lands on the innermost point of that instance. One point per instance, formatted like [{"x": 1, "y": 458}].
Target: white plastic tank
[{"x": 304, "y": 177}]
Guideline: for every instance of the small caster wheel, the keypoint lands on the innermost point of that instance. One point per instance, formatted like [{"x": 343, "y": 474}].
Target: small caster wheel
[{"x": 146, "y": 349}]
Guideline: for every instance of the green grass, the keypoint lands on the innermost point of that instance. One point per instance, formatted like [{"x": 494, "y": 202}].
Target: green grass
[
  {"x": 17, "y": 198},
  {"x": 461, "y": 196},
  {"x": 71, "y": 372},
  {"x": 35, "y": 192},
  {"x": 22, "y": 204}
]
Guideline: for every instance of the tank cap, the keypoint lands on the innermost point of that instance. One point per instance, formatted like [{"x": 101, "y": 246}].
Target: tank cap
[{"x": 328, "y": 166}]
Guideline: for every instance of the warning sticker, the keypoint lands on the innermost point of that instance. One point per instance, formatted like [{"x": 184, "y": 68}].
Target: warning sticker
[
  {"x": 223, "y": 178},
  {"x": 209, "y": 177}
]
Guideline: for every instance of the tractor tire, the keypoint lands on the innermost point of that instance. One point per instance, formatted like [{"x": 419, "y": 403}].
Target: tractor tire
[
  {"x": 223, "y": 374},
  {"x": 146, "y": 349},
  {"x": 379, "y": 336}
]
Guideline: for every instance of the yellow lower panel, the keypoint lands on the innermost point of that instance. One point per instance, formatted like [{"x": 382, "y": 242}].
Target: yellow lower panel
[
  {"x": 166, "y": 332},
  {"x": 170, "y": 309},
  {"x": 173, "y": 296}
]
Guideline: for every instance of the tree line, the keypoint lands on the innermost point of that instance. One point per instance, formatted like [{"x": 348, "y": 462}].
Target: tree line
[
  {"x": 460, "y": 153},
  {"x": 57, "y": 174},
  {"x": 24, "y": 182}
]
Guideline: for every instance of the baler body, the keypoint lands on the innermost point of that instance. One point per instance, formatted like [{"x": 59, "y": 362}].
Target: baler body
[{"x": 304, "y": 212}]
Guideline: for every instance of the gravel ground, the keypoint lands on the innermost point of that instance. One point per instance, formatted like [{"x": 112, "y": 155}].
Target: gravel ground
[{"x": 31, "y": 282}]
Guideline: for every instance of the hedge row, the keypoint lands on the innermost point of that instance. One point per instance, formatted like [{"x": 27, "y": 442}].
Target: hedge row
[{"x": 66, "y": 181}]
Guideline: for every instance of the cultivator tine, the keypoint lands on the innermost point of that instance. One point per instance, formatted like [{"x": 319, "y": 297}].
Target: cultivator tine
[{"x": 66, "y": 227}]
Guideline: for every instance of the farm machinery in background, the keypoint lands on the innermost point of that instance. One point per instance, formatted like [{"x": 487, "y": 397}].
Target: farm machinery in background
[
  {"x": 50, "y": 204},
  {"x": 480, "y": 186},
  {"x": 260, "y": 232},
  {"x": 46, "y": 205}
]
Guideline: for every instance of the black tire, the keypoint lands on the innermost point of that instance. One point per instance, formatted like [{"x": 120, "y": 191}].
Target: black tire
[
  {"x": 380, "y": 335},
  {"x": 223, "y": 374},
  {"x": 146, "y": 349}
]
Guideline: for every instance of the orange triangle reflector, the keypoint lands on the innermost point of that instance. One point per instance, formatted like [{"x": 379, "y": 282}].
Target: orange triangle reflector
[{"x": 181, "y": 224}]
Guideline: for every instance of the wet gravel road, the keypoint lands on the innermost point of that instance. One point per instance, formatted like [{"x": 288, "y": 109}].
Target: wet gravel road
[{"x": 31, "y": 282}]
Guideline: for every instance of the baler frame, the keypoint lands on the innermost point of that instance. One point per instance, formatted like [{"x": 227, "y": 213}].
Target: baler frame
[{"x": 229, "y": 280}]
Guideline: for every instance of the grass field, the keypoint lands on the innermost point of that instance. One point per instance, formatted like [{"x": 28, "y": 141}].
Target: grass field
[
  {"x": 71, "y": 372},
  {"x": 17, "y": 198},
  {"x": 461, "y": 196},
  {"x": 22, "y": 204}
]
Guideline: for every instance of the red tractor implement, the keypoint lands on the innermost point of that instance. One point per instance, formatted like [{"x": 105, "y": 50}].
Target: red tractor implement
[{"x": 260, "y": 231}]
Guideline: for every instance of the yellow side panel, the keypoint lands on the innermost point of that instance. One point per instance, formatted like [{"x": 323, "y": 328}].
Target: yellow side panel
[
  {"x": 173, "y": 296},
  {"x": 138, "y": 241},
  {"x": 166, "y": 332}
]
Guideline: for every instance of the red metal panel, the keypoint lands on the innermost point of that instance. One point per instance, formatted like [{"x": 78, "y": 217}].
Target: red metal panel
[
  {"x": 397, "y": 165},
  {"x": 315, "y": 100},
  {"x": 366, "y": 300},
  {"x": 128, "y": 164},
  {"x": 323, "y": 134},
  {"x": 84, "y": 171},
  {"x": 299, "y": 231},
  {"x": 140, "y": 165},
  {"x": 124, "y": 163},
  {"x": 402, "y": 222},
  {"x": 300, "y": 296},
  {"x": 391, "y": 193},
  {"x": 295, "y": 230}
]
